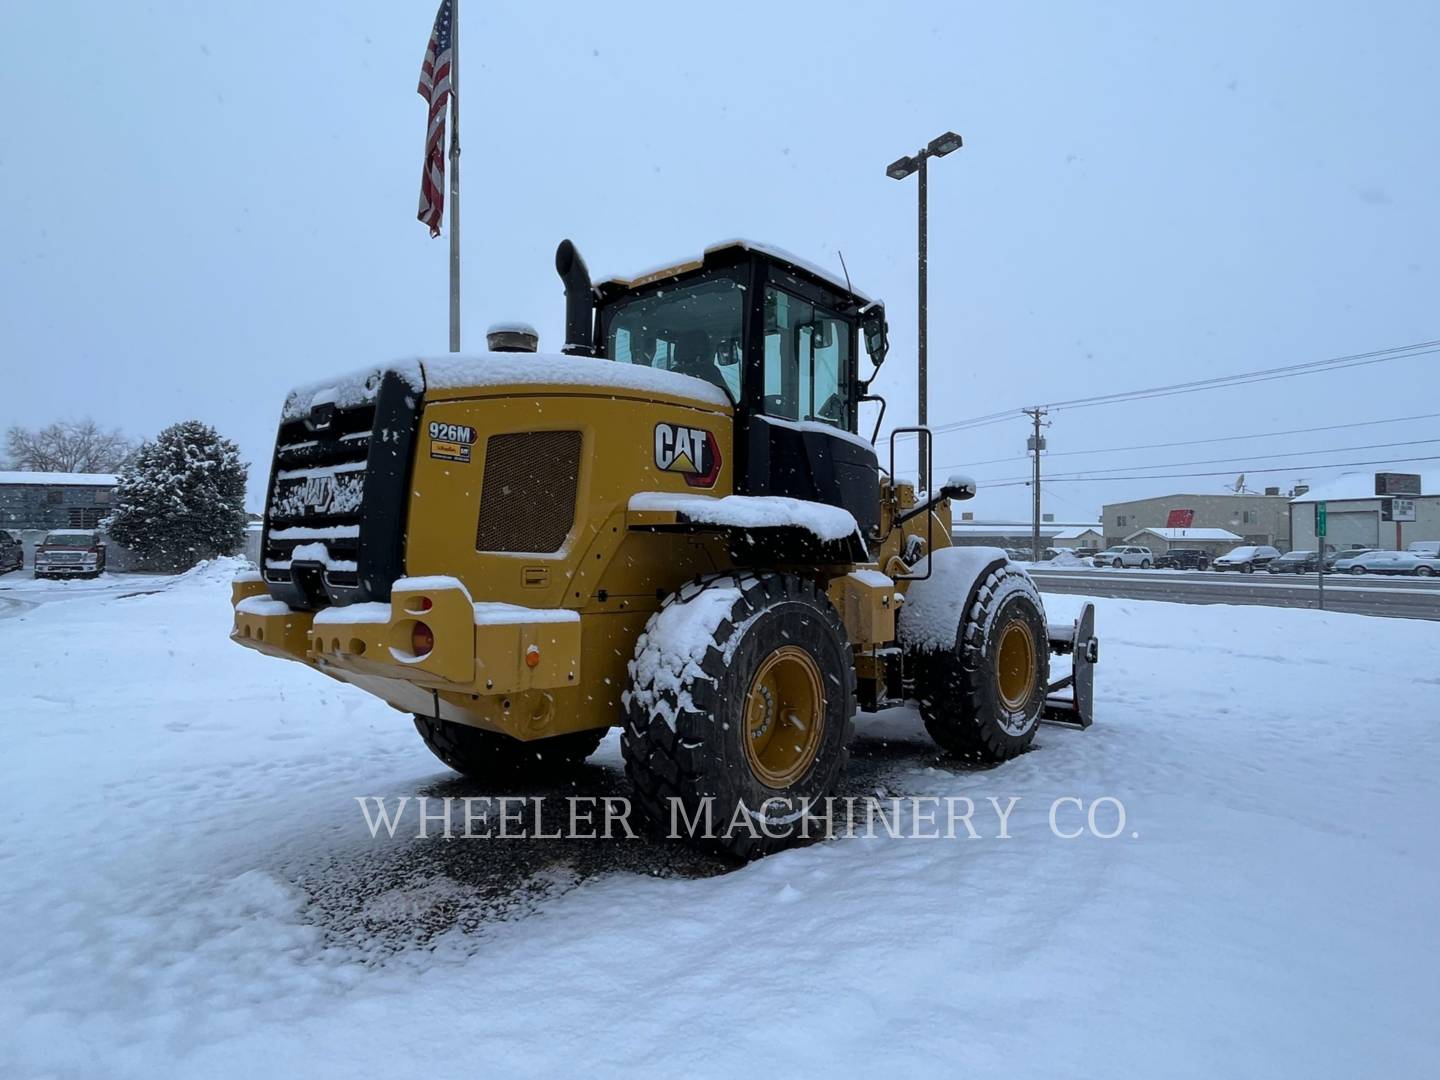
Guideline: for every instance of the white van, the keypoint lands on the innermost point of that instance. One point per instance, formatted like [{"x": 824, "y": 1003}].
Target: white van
[{"x": 1424, "y": 547}]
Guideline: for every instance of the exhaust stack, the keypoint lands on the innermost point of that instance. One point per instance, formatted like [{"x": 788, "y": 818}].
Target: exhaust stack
[{"x": 579, "y": 301}]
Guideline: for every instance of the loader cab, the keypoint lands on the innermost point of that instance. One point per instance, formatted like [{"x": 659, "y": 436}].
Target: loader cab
[{"x": 783, "y": 341}]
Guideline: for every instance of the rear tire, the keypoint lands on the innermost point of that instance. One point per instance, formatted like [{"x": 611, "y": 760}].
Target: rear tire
[
  {"x": 491, "y": 756},
  {"x": 1424, "y": 571},
  {"x": 758, "y": 708},
  {"x": 983, "y": 699},
  {"x": 1144, "y": 564}
]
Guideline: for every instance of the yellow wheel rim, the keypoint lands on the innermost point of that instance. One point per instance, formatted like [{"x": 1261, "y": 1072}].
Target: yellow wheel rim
[
  {"x": 1015, "y": 664},
  {"x": 784, "y": 716}
]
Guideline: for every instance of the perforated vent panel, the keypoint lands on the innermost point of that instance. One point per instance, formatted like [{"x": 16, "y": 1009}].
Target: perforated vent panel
[{"x": 527, "y": 495}]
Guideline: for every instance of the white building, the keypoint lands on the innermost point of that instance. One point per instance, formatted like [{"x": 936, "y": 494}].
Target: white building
[
  {"x": 1211, "y": 541},
  {"x": 1357, "y": 517}
]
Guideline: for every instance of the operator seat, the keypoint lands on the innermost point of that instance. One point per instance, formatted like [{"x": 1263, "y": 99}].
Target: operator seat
[{"x": 694, "y": 355}]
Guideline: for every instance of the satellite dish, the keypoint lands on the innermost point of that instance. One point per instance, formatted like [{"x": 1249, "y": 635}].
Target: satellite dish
[{"x": 1240, "y": 482}]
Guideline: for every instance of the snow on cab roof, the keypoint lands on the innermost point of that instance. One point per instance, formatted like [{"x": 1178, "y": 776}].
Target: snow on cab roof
[
  {"x": 694, "y": 262},
  {"x": 59, "y": 479},
  {"x": 1361, "y": 485}
]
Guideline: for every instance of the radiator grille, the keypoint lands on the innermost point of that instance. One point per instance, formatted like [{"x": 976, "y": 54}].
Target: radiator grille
[{"x": 527, "y": 495}]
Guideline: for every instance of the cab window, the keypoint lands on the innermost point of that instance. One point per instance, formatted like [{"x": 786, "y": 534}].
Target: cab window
[
  {"x": 694, "y": 329},
  {"x": 807, "y": 361}
]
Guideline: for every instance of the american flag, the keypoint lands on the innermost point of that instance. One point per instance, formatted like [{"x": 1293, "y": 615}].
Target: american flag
[{"x": 435, "y": 89}]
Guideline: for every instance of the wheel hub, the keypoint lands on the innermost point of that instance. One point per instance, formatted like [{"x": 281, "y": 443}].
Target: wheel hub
[
  {"x": 1015, "y": 664},
  {"x": 784, "y": 717}
]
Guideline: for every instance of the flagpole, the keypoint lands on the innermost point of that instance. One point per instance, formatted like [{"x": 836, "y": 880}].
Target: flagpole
[{"x": 454, "y": 176}]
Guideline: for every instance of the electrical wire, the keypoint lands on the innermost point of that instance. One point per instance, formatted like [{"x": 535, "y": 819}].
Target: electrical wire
[
  {"x": 1220, "y": 461},
  {"x": 1244, "y": 378},
  {"x": 1222, "y": 472},
  {"x": 1194, "y": 442}
]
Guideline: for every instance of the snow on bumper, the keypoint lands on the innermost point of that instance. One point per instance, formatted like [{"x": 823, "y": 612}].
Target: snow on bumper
[{"x": 479, "y": 649}]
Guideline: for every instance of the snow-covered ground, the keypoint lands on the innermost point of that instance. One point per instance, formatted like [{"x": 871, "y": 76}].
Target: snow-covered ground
[{"x": 190, "y": 889}]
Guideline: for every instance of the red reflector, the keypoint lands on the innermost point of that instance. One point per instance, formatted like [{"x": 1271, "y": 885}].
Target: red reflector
[
  {"x": 425, "y": 604},
  {"x": 421, "y": 639}
]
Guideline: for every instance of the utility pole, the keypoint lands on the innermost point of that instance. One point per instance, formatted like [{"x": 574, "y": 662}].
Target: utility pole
[{"x": 1037, "y": 443}]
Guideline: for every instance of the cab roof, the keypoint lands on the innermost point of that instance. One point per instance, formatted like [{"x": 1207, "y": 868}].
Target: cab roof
[{"x": 725, "y": 252}]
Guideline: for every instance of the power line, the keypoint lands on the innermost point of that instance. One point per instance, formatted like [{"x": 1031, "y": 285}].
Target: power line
[
  {"x": 1241, "y": 460},
  {"x": 1198, "y": 442},
  {"x": 1244, "y": 378},
  {"x": 1223, "y": 472}
]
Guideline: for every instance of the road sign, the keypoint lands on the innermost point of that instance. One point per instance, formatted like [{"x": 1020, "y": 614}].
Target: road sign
[
  {"x": 1319, "y": 519},
  {"x": 1397, "y": 509}
]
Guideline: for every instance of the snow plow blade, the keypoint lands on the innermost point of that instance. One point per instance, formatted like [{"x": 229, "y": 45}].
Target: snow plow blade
[{"x": 1077, "y": 640}]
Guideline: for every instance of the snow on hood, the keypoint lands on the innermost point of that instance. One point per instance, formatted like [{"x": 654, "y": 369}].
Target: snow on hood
[
  {"x": 350, "y": 390},
  {"x": 512, "y": 369},
  {"x": 460, "y": 372}
]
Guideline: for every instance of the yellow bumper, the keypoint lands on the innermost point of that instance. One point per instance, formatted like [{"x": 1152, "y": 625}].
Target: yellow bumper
[{"x": 479, "y": 649}]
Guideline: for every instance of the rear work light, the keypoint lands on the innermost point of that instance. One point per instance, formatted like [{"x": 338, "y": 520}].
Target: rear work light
[{"x": 422, "y": 640}]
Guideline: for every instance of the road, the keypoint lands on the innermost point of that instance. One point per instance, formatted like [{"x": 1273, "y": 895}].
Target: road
[{"x": 1396, "y": 597}]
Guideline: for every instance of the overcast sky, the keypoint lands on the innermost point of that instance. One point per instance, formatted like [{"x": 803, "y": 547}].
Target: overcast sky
[{"x": 202, "y": 204}]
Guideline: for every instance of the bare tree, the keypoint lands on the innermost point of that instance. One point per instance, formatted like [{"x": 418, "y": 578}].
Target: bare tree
[{"x": 67, "y": 446}]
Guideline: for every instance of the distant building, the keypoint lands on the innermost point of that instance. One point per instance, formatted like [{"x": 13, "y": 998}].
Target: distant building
[
  {"x": 1253, "y": 519},
  {"x": 1017, "y": 534},
  {"x": 54, "y": 500},
  {"x": 1211, "y": 541},
  {"x": 1079, "y": 536},
  {"x": 1357, "y": 517}
]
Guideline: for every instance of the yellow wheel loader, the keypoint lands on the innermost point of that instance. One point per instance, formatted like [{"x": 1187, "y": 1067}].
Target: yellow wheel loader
[{"x": 674, "y": 526}]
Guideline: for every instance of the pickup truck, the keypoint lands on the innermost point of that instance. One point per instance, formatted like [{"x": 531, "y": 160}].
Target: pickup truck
[{"x": 70, "y": 553}]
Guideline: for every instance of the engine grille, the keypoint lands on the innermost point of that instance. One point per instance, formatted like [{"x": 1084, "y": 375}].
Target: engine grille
[
  {"x": 527, "y": 495},
  {"x": 334, "y": 518}
]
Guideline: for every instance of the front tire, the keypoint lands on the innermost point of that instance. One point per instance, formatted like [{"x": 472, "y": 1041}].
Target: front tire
[
  {"x": 492, "y": 757},
  {"x": 983, "y": 699},
  {"x": 1357, "y": 570},
  {"x": 740, "y": 708}
]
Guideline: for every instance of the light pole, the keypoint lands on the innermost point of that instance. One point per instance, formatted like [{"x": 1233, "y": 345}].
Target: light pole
[{"x": 899, "y": 170}]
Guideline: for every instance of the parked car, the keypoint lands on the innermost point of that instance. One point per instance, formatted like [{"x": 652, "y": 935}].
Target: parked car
[
  {"x": 1295, "y": 562},
  {"x": 1182, "y": 559},
  {"x": 1125, "y": 555},
  {"x": 1348, "y": 553},
  {"x": 1424, "y": 547},
  {"x": 1389, "y": 562},
  {"x": 70, "y": 553},
  {"x": 12, "y": 553},
  {"x": 1247, "y": 558}
]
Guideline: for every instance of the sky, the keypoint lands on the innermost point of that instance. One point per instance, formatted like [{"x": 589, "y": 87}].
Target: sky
[{"x": 214, "y": 202}]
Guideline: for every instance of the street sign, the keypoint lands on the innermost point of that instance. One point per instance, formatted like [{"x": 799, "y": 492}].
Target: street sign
[
  {"x": 1320, "y": 519},
  {"x": 1403, "y": 510}
]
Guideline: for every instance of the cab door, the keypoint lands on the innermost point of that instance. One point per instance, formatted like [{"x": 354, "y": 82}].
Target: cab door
[{"x": 799, "y": 428}]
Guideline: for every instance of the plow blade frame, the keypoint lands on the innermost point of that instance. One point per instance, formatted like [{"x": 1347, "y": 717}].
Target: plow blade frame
[{"x": 1077, "y": 640}]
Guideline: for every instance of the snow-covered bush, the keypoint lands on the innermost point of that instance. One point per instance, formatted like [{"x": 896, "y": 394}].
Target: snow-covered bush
[{"x": 181, "y": 498}]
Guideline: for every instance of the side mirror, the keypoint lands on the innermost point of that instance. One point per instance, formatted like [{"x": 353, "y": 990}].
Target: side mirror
[
  {"x": 959, "y": 488},
  {"x": 877, "y": 334}
]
